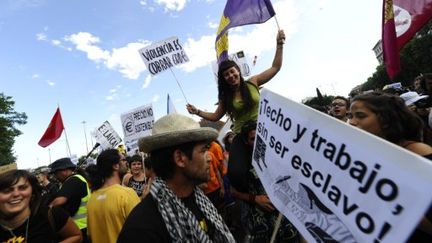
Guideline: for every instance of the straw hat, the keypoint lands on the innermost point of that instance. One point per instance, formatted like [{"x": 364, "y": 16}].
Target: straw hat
[{"x": 175, "y": 129}]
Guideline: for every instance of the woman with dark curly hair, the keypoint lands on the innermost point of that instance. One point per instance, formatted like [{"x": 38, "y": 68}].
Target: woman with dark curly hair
[
  {"x": 388, "y": 117},
  {"x": 24, "y": 219},
  {"x": 239, "y": 99}
]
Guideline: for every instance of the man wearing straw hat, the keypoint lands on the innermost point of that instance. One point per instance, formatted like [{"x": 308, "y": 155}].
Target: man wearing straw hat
[{"x": 176, "y": 210}]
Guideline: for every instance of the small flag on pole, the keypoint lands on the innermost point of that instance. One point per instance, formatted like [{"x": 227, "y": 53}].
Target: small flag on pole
[
  {"x": 238, "y": 13},
  {"x": 54, "y": 130},
  {"x": 170, "y": 106}
]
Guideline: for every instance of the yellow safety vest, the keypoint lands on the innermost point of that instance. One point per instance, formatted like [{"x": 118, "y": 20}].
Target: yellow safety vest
[{"x": 80, "y": 217}]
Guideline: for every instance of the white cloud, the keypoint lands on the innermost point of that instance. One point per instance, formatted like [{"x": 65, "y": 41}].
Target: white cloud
[
  {"x": 50, "y": 83},
  {"x": 147, "y": 81},
  {"x": 35, "y": 76},
  {"x": 200, "y": 52},
  {"x": 127, "y": 60},
  {"x": 155, "y": 98},
  {"x": 56, "y": 42},
  {"x": 172, "y": 5},
  {"x": 41, "y": 37},
  {"x": 86, "y": 42},
  {"x": 143, "y": 2},
  {"x": 213, "y": 25}
]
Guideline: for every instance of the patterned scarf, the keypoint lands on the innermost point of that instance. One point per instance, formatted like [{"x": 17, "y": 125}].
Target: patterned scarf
[{"x": 182, "y": 225}]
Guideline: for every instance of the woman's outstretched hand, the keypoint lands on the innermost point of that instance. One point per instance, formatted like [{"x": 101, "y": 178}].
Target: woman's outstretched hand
[{"x": 192, "y": 109}]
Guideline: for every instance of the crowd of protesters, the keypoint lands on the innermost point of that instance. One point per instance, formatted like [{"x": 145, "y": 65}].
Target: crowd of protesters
[{"x": 185, "y": 186}]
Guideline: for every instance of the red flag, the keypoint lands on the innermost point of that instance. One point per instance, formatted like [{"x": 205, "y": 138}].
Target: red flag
[
  {"x": 54, "y": 130},
  {"x": 390, "y": 50},
  {"x": 410, "y": 17},
  {"x": 401, "y": 21}
]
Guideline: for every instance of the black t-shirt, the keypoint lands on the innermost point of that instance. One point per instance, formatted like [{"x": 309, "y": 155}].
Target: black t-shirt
[
  {"x": 146, "y": 222},
  {"x": 73, "y": 189},
  {"x": 49, "y": 192},
  {"x": 39, "y": 227}
]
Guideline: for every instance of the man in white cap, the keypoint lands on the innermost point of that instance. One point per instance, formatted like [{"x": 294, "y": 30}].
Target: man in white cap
[{"x": 176, "y": 210}]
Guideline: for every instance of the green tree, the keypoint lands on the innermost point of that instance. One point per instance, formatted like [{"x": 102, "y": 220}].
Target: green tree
[
  {"x": 9, "y": 118},
  {"x": 316, "y": 102}
]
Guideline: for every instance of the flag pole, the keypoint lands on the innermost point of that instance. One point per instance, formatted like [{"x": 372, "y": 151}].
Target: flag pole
[
  {"x": 67, "y": 143},
  {"x": 178, "y": 83},
  {"x": 49, "y": 155},
  {"x": 277, "y": 23},
  {"x": 276, "y": 228}
]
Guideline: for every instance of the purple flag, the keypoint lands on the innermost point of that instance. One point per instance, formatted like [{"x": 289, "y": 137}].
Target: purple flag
[{"x": 237, "y": 13}]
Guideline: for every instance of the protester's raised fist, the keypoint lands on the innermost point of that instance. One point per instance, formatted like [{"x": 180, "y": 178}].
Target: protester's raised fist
[{"x": 280, "y": 39}]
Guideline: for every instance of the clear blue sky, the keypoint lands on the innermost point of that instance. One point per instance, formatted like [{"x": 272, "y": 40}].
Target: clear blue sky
[{"x": 82, "y": 55}]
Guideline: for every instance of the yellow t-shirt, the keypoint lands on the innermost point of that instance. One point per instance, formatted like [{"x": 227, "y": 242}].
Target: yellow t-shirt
[{"x": 107, "y": 210}]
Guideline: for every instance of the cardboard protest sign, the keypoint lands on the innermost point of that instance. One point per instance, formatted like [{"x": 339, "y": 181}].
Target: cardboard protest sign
[
  {"x": 107, "y": 136},
  {"x": 334, "y": 181},
  {"x": 240, "y": 59},
  {"x": 163, "y": 55},
  {"x": 136, "y": 123}
]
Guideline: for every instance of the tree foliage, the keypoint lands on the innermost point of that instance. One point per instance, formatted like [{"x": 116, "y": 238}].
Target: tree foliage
[
  {"x": 9, "y": 118},
  {"x": 315, "y": 102}
]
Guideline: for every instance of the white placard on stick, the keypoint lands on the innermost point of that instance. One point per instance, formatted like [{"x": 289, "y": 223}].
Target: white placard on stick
[
  {"x": 162, "y": 55},
  {"x": 136, "y": 123},
  {"x": 107, "y": 136}
]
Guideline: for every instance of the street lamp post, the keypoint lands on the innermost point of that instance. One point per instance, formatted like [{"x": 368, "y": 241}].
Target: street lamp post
[{"x": 85, "y": 135}]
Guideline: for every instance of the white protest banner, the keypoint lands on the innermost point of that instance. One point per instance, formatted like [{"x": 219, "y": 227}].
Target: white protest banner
[
  {"x": 107, "y": 136},
  {"x": 240, "y": 59},
  {"x": 136, "y": 123},
  {"x": 335, "y": 182},
  {"x": 163, "y": 55}
]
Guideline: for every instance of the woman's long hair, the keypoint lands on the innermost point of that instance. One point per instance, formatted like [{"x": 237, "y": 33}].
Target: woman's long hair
[
  {"x": 12, "y": 177},
  {"x": 225, "y": 92},
  {"x": 396, "y": 120}
]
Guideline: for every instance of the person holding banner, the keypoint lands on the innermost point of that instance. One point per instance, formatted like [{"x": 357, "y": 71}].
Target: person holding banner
[
  {"x": 239, "y": 99},
  {"x": 258, "y": 213},
  {"x": 388, "y": 117}
]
